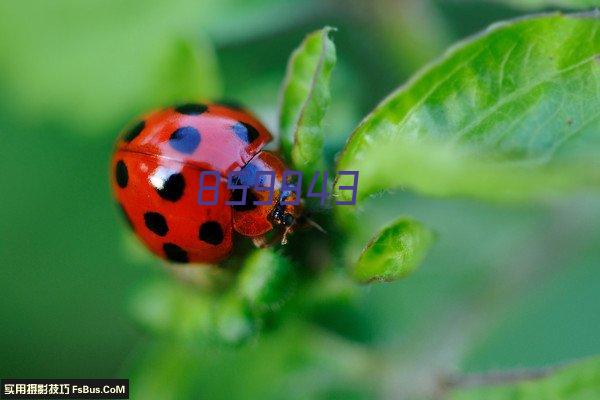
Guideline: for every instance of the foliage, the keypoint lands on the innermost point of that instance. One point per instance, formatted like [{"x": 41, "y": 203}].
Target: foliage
[{"x": 507, "y": 115}]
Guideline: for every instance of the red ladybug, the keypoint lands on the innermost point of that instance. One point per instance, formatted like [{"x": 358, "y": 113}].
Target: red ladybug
[{"x": 156, "y": 171}]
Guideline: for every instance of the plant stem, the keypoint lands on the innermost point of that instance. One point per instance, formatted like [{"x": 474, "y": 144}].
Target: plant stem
[{"x": 497, "y": 378}]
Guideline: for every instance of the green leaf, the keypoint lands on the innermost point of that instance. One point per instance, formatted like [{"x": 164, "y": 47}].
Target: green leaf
[
  {"x": 510, "y": 114},
  {"x": 304, "y": 101},
  {"x": 267, "y": 281},
  {"x": 579, "y": 381},
  {"x": 532, "y": 4},
  {"x": 394, "y": 253}
]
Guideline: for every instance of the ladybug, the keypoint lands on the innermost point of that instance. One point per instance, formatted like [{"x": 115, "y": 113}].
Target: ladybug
[{"x": 155, "y": 174}]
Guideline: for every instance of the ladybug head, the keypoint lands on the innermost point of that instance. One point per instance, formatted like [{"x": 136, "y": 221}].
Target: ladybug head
[{"x": 287, "y": 217}]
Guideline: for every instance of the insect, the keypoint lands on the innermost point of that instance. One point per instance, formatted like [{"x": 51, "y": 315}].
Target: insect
[{"x": 156, "y": 169}]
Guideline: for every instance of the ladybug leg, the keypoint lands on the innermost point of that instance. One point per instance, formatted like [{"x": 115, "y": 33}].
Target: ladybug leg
[
  {"x": 263, "y": 241},
  {"x": 288, "y": 230},
  {"x": 260, "y": 241}
]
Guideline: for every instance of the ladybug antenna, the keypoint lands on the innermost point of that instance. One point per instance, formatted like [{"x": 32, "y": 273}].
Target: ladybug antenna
[{"x": 305, "y": 222}]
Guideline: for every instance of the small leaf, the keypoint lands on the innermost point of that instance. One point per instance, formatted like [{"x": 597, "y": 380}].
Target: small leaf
[
  {"x": 577, "y": 381},
  {"x": 304, "y": 101},
  {"x": 511, "y": 114},
  {"x": 394, "y": 253},
  {"x": 266, "y": 281}
]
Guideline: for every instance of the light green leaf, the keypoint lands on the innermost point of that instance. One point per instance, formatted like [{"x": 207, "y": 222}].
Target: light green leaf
[
  {"x": 267, "y": 281},
  {"x": 580, "y": 381},
  {"x": 509, "y": 114},
  {"x": 532, "y": 4},
  {"x": 304, "y": 100},
  {"x": 394, "y": 253}
]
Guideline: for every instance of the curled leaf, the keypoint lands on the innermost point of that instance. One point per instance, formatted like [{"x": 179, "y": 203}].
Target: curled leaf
[
  {"x": 305, "y": 98},
  {"x": 511, "y": 114},
  {"x": 394, "y": 253}
]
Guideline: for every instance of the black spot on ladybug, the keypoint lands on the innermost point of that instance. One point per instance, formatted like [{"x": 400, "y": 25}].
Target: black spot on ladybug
[
  {"x": 156, "y": 223},
  {"x": 236, "y": 195},
  {"x": 185, "y": 140},
  {"x": 171, "y": 188},
  {"x": 134, "y": 131},
  {"x": 121, "y": 174},
  {"x": 125, "y": 215},
  {"x": 245, "y": 131},
  {"x": 175, "y": 253},
  {"x": 211, "y": 233},
  {"x": 191, "y": 109}
]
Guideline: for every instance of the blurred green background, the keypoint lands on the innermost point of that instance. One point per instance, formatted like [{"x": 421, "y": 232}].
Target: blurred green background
[{"x": 505, "y": 286}]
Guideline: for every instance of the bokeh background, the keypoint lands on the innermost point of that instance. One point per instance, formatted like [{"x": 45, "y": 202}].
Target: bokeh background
[{"x": 505, "y": 286}]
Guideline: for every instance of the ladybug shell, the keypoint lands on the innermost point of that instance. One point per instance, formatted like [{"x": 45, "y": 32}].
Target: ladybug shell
[
  {"x": 156, "y": 178},
  {"x": 211, "y": 137}
]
